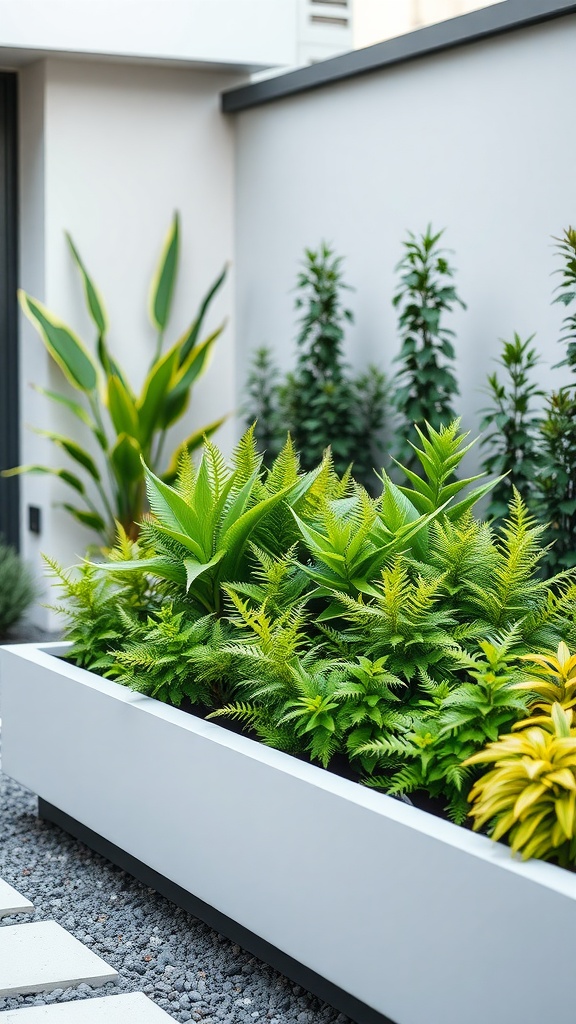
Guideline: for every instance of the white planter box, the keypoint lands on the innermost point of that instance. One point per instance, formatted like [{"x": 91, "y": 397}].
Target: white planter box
[{"x": 422, "y": 921}]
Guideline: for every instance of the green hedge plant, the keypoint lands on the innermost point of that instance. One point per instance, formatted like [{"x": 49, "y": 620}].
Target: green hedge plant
[
  {"x": 512, "y": 425},
  {"x": 17, "y": 588},
  {"x": 425, "y": 386},
  {"x": 320, "y": 402}
]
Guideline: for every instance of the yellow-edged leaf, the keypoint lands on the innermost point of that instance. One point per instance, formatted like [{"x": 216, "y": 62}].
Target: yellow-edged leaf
[
  {"x": 92, "y": 295},
  {"x": 177, "y": 399},
  {"x": 150, "y": 403},
  {"x": 190, "y": 338},
  {"x": 63, "y": 345},
  {"x": 565, "y": 808},
  {"x": 74, "y": 451},
  {"x": 125, "y": 457},
  {"x": 162, "y": 287},
  {"x": 531, "y": 794},
  {"x": 122, "y": 407},
  {"x": 89, "y": 519},
  {"x": 63, "y": 474}
]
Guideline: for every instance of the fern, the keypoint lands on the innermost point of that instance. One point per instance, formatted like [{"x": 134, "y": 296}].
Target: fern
[
  {"x": 93, "y": 605},
  {"x": 406, "y": 624},
  {"x": 160, "y": 660},
  {"x": 514, "y": 588}
]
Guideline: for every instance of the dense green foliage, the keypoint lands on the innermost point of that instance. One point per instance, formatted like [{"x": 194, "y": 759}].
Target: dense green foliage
[
  {"x": 120, "y": 425},
  {"x": 512, "y": 427},
  {"x": 320, "y": 403},
  {"x": 385, "y": 633},
  {"x": 425, "y": 386},
  {"x": 557, "y": 480},
  {"x": 17, "y": 588},
  {"x": 566, "y": 294}
]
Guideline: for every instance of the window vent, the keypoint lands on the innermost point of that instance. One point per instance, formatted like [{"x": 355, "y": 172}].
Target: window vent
[{"x": 324, "y": 19}]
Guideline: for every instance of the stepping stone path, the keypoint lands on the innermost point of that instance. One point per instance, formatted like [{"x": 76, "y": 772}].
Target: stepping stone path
[
  {"x": 43, "y": 956},
  {"x": 11, "y": 902},
  {"x": 132, "y": 1008}
]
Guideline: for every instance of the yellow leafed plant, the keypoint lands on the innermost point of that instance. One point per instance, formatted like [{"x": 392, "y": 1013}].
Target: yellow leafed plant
[
  {"x": 554, "y": 682},
  {"x": 530, "y": 793}
]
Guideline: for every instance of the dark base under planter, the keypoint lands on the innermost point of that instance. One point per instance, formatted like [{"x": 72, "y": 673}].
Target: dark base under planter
[{"x": 293, "y": 969}]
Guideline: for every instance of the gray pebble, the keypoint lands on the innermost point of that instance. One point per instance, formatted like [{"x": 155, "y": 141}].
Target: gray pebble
[{"x": 190, "y": 971}]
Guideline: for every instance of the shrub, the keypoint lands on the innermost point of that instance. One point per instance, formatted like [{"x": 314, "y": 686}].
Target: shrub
[
  {"x": 320, "y": 403},
  {"x": 425, "y": 385},
  {"x": 17, "y": 589},
  {"x": 557, "y": 477},
  {"x": 513, "y": 429},
  {"x": 557, "y": 480}
]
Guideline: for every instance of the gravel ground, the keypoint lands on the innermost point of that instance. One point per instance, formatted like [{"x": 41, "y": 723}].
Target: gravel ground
[{"x": 191, "y": 971}]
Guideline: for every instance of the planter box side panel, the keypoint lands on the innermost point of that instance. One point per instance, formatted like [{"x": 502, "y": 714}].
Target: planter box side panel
[{"x": 408, "y": 924}]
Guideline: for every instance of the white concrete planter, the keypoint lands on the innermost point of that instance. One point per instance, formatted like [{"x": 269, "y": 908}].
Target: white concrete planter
[{"x": 419, "y": 920}]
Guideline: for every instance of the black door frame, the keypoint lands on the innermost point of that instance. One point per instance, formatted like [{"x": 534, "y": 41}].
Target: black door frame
[{"x": 9, "y": 403}]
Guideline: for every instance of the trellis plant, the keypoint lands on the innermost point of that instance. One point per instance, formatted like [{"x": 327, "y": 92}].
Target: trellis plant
[{"x": 126, "y": 428}]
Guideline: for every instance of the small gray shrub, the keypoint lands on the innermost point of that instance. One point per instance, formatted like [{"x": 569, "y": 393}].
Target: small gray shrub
[{"x": 17, "y": 589}]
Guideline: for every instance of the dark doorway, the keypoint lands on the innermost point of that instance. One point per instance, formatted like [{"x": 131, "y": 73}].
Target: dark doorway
[{"x": 9, "y": 418}]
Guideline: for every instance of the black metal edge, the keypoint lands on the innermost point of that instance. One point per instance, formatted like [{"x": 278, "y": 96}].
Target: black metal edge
[
  {"x": 252, "y": 943},
  {"x": 498, "y": 19},
  {"x": 9, "y": 402}
]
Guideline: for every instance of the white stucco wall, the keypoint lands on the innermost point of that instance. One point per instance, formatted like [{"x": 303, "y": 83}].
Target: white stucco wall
[
  {"x": 108, "y": 152},
  {"x": 475, "y": 140},
  {"x": 236, "y": 32},
  {"x": 375, "y": 20}
]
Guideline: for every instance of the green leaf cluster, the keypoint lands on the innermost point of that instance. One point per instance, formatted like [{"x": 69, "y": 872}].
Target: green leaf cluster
[
  {"x": 122, "y": 427},
  {"x": 535, "y": 448},
  {"x": 512, "y": 426},
  {"x": 425, "y": 386},
  {"x": 381, "y": 636},
  {"x": 320, "y": 403}
]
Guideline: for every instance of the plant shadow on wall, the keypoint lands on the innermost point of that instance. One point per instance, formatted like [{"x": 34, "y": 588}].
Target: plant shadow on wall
[
  {"x": 124, "y": 427},
  {"x": 387, "y": 636}
]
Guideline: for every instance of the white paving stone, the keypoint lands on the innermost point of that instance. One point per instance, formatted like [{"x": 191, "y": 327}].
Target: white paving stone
[
  {"x": 43, "y": 956},
  {"x": 12, "y": 902},
  {"x": 133, "y": 1008}
]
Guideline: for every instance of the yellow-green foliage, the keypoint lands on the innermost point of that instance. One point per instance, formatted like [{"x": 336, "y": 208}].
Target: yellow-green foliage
[
  {"x": 555, "y": 680},
  {"x": 530, "y": 793}
]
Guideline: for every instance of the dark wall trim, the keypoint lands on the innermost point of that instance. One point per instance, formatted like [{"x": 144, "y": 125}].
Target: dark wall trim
[
  {"x": 9, "y": 405},
  {"x": 280, "y": 961},
  {"x": 469, "y": 28}
]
